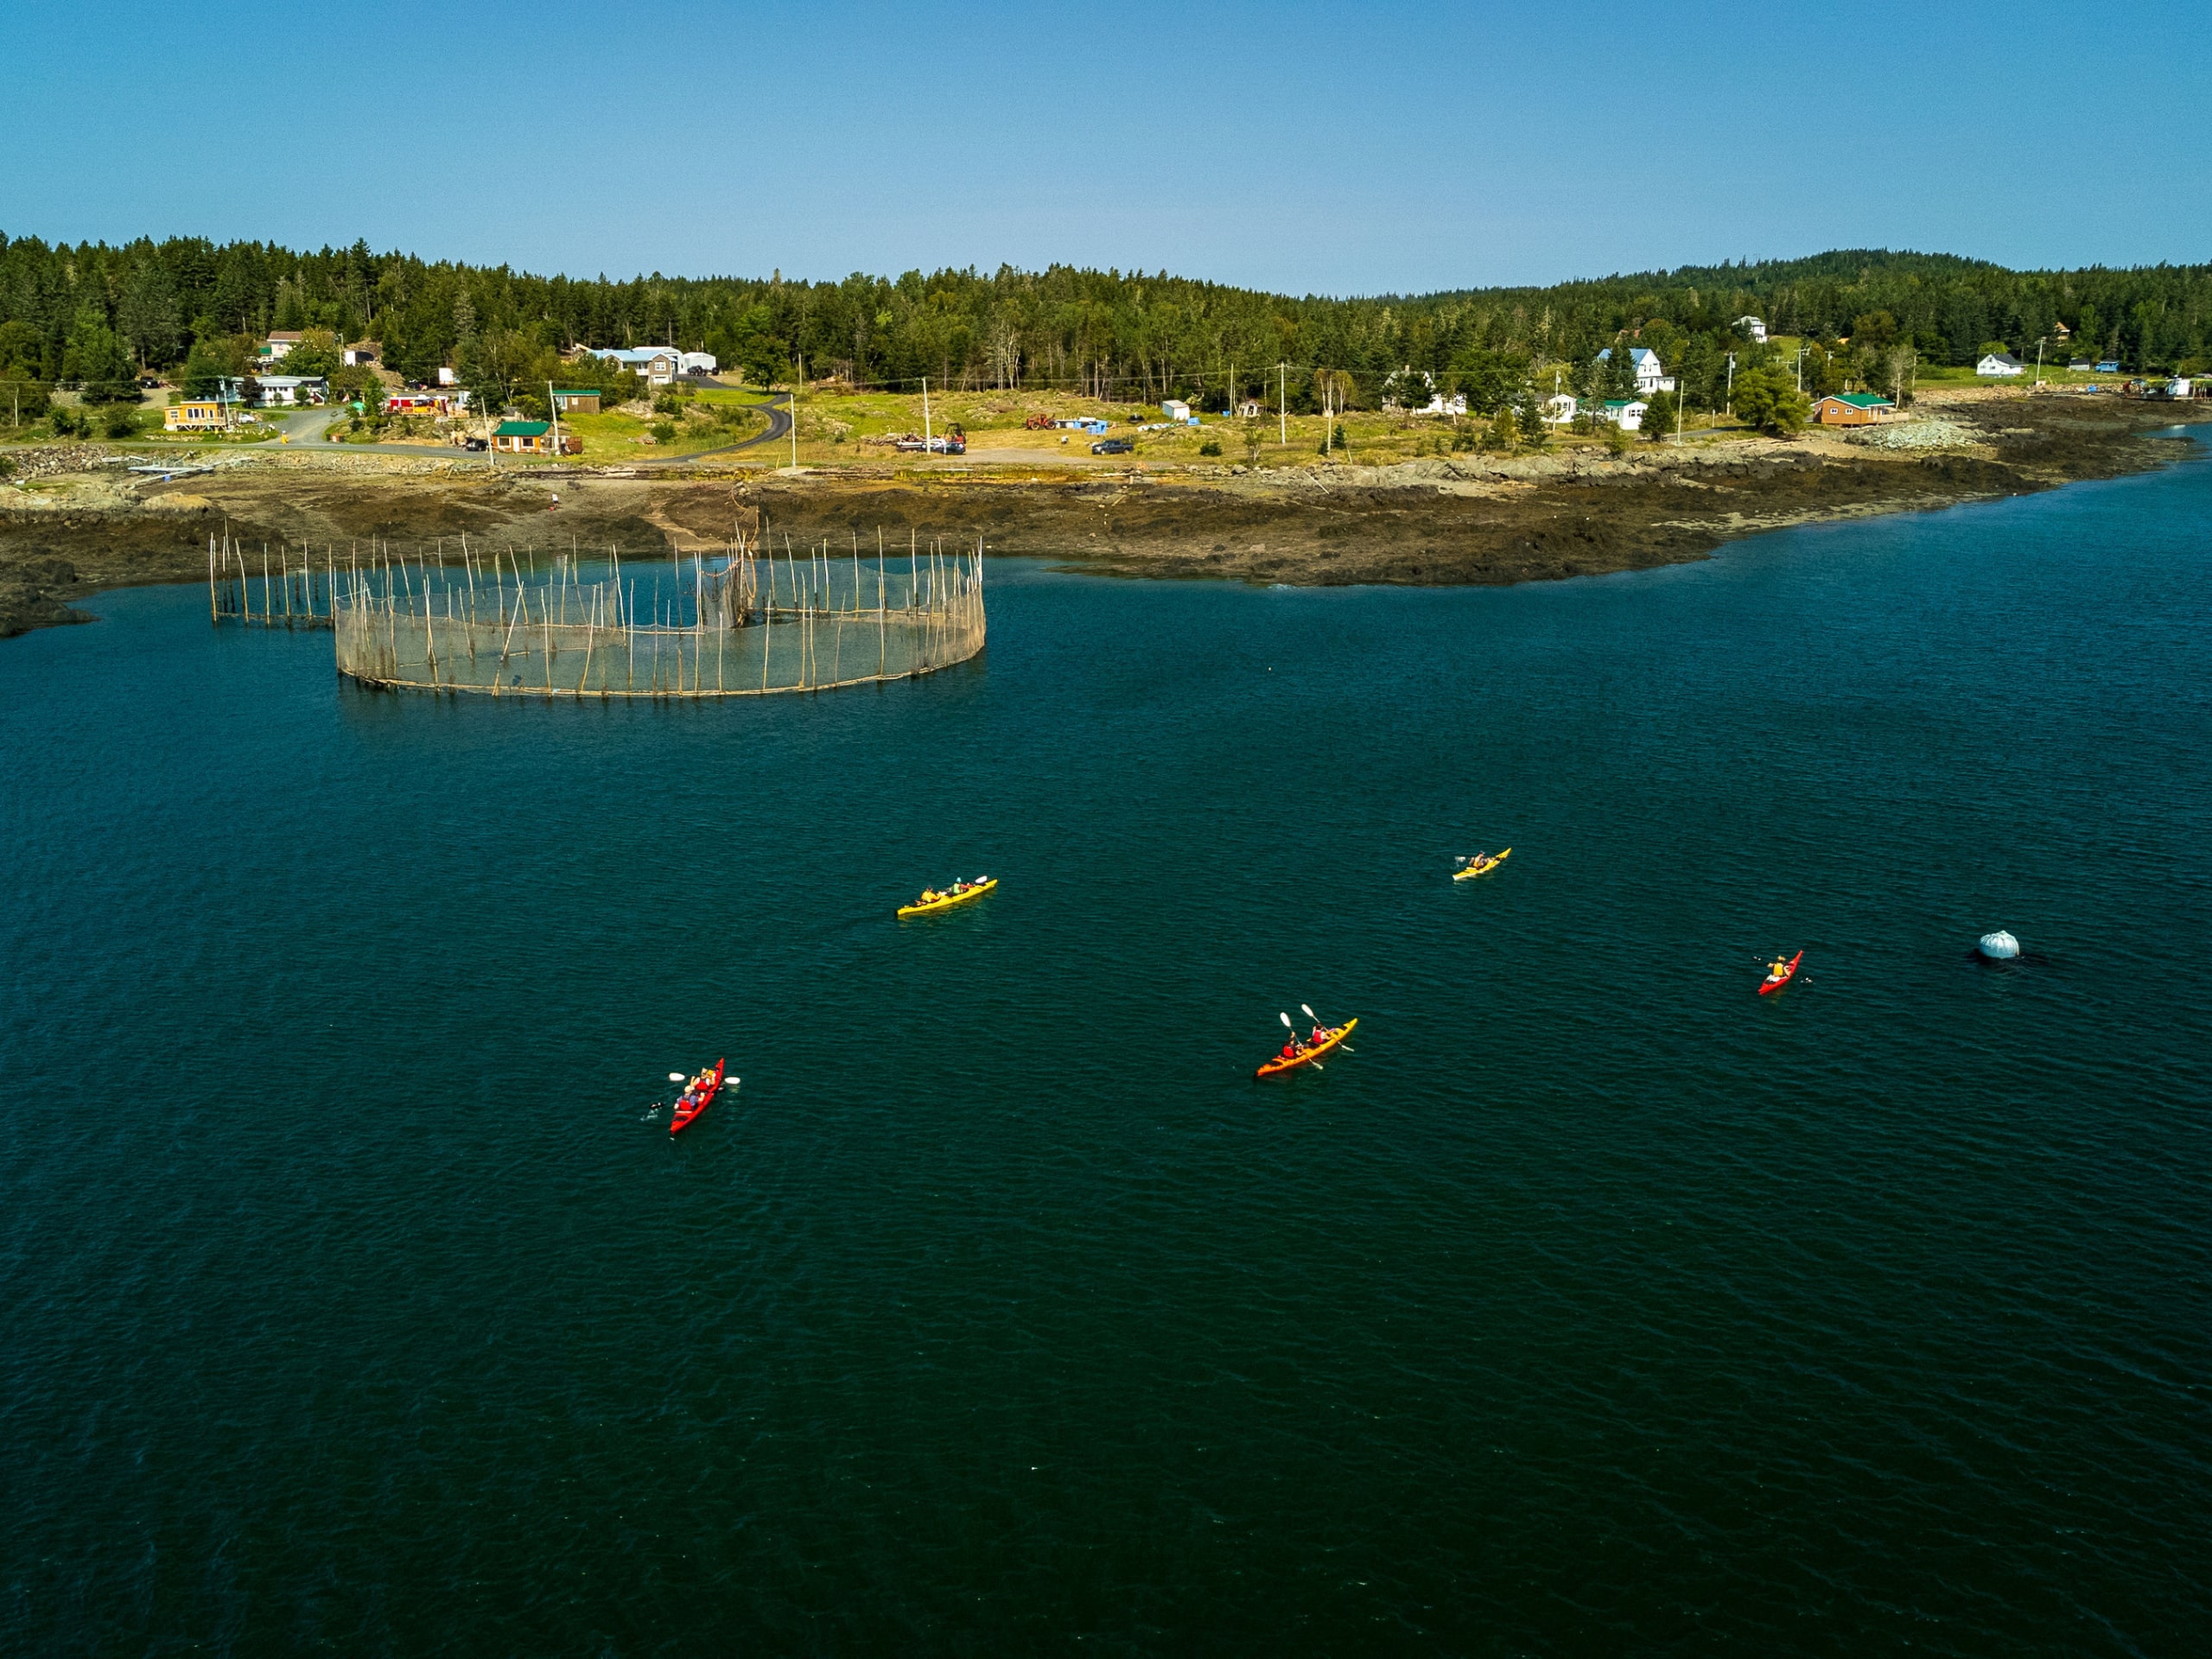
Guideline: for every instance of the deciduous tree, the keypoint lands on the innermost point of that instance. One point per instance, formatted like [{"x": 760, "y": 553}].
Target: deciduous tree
[{"x": 1769, "y": 398}]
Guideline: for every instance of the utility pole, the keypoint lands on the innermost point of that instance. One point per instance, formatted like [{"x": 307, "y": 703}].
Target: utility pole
[
  {"x": 553, "y": 406},
  {"x": 1801, "y": 366},
  {"x": 925, "y": 414},
  {"x": 1282, "y": 402},
  {"x": 1731, "y": 383},
  {"x": 2039, "y": 359}
]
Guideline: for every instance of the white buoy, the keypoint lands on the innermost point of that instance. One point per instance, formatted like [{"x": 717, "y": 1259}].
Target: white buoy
[{"x": 1999, "y": 946}]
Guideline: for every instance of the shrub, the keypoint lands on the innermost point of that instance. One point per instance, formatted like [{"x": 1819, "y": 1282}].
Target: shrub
[
  {"x": 1210, "y": 447},
  {"x": 67, "y": 423},
  {"x": 120, "y": 420},
  {"x": 663, "y": 431},
  {"x": 668, "y": 403}
]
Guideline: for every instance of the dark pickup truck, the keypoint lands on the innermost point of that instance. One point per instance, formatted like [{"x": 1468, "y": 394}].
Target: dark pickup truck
[{"x": 1113, "y": 447}]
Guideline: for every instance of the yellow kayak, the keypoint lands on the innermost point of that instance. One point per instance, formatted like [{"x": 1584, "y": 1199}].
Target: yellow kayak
[
  {"x": 947, "y": 901},
  {"x": 1483, "y": 869}
]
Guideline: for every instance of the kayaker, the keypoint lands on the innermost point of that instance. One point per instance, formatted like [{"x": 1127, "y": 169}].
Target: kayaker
[
  {"x": 1777, "y": 968},
  {"x": 1320, "y": 1036},
  {"x": 1290, "y": 1049}
]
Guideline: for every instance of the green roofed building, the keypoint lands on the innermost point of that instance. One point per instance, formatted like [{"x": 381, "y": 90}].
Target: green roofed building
[
  {"x": 532, "y": 438},
  {"x": 1853, "y": 408}
]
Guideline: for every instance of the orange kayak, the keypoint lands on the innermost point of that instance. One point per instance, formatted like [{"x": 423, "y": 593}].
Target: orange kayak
[{"x": 1311, "y": 1053}]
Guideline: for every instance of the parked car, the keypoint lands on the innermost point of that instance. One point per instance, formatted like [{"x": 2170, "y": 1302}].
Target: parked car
[
  {"x": 472, "y": 443},
  {"x": 1113, "y": 447}
]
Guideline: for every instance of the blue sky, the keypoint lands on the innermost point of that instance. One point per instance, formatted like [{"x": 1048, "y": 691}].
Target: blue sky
[{"x": 1343, "y": 148}]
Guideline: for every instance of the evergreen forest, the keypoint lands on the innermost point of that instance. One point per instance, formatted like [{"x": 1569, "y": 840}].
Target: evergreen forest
[{"x": 94, "y": 317}]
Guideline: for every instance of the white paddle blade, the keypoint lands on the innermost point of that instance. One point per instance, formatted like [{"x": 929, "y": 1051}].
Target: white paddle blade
[
  {"x": 1286, "y": 1020},
  {"x": 1310, "y": 1014},
  {"x": 676, "y": 1076}
]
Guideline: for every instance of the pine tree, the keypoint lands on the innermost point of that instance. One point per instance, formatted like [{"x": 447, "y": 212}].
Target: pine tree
[{"x": 148, "y": 314}]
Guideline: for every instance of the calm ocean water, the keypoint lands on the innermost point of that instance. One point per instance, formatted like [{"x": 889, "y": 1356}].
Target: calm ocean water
[{"x": 1594, "y": 1305}]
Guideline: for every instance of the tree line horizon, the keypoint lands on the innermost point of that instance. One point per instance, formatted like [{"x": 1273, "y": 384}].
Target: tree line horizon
[{"x": 93, "y": 315}]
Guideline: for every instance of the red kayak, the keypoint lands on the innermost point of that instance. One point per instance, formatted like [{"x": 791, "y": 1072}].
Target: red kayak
[
  {"x": 1775, "y": 982},
  {"x": 692, "y": 1101}
]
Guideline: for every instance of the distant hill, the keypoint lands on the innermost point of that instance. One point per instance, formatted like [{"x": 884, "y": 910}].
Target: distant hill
[{"x": 1117, "y": 334}]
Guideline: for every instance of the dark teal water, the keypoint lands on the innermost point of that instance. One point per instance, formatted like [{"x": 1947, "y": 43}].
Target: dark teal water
[{"x": 1594, "y": 1304}]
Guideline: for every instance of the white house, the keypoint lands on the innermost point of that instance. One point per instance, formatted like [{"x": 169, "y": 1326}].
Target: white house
[
  {"x": 279, "y": 343},
  {"x": 1625, "y": 413},
  {"x": 1755, "y": 327},
  {"x": 1438, "y": 404},
  {"x": 1177, "y": 411},
  {"x": 1559, "y": 409},
  {"x": 271, "y": 391},
  {"x": 660, "y": 364},
  {"x": 1999, "y": 363},
  {"x": 1650, "y": 375}
]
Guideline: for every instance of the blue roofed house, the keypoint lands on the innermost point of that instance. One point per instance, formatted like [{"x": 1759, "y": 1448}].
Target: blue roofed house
[{"x": 1650, "y": 375}]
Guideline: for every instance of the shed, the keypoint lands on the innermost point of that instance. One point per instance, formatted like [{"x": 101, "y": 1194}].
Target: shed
[{"x": 577, "y": 400}]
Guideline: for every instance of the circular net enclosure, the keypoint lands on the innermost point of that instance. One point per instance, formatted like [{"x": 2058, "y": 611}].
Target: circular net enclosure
[{"x": 741, "y": 624}]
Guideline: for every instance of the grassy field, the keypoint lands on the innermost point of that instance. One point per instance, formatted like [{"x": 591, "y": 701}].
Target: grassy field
[
  {"x": 841, "y": 428},
  {"x": 712, "y": 420}
]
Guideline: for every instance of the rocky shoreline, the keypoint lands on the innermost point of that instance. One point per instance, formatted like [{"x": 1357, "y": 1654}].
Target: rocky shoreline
[{"x": 86, "y": 524}]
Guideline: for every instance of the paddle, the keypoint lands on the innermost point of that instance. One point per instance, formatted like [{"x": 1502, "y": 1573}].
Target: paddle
[
  {"x": 1318, "y": 1021},
  {"x": 676, "y": 1076}
]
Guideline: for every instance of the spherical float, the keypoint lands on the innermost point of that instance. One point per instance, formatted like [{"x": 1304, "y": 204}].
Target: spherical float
[{"x": 1999, "y": 946}]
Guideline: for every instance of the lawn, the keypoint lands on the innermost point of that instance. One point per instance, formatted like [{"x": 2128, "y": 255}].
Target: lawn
[
  {"x": 834, "y": 427},
  {"x": 616, "y": 435}
]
